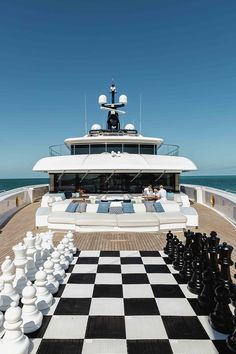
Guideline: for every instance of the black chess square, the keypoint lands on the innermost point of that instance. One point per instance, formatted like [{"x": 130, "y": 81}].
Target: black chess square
[
  {"x": 105, "y": 327},
  {"x": 197, "y": 308},
  {"x": 150, "y": 254},
  {"x": 77, "y": 253},
  {"x": 140, "y": 278},
  {"x": 109, "y": 268},
  {"x": 110, "y": 254},
  {"x": 179, "y": 279},
  {"x": 168, "y": 291},
  {"x": 107, "y": 291},
  {"x": 70, "y": 268},
  {"x": 157, "y": 268},
  {"x": 184, "y": 327},
  {"x": 73, "y": 306},
  {"x": 131, "y": 260},
  {"x": 167, "y": 260},
  {"x": 149, "y": 346},
  {"x": 62, "y": 346},
  {"x": 60, "y": 290},
  {"x": 40, "y": 332},
  {"x": 140, "y": 306},
  {"x": 82, "y": 278}
]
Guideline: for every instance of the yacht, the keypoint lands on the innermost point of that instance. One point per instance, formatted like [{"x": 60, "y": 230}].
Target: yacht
[{"x": 114, "y": 159}]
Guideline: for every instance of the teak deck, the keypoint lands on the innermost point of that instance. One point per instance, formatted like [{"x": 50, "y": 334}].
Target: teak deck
[{"x": 14, "y": 232}]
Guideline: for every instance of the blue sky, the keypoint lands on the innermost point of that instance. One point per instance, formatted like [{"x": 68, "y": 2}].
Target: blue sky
[{"x": 179, "y": 54}]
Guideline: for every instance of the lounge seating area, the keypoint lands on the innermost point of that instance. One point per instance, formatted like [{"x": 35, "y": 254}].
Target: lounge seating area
[{"x": 135, "y": 215}]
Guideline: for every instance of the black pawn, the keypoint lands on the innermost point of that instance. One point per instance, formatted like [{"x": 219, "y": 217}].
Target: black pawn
[
  {"x": 168, "y": 247},
  {"x": 173, "y": 254},
  {"x": 233, "y": 292},
  {"x": 221, "y": 319},
  {"x": 189, "y": 238},
  {"x": 206, "y": 297},
  {"x": 186, "y": 271},
  {"x": 195, "y": 284},
  {"x": 196, "y": 245},
  {"x": 213, "y": 242},
  {"x": 204, "y": 253},
  {"x": 231, "y": 340},
  {"x": 179, "y": 261},
  {"x": 225, "y": 262}
]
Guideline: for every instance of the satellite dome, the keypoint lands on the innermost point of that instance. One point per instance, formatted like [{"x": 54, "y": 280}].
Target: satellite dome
[
  {"x": 96, "y": 126},
  {"x": 130, "y": 126},
  {"x": 123, "y": 99},
  {"x": 102, "y": 99}
]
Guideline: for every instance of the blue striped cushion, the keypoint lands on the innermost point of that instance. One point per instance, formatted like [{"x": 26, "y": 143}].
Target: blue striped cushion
[
  {"x": 72, "y": 207},
  {"x": 103, "y": 207},
  {"x": 158, "y": 207},
  {"x": 128, "y": 208}
]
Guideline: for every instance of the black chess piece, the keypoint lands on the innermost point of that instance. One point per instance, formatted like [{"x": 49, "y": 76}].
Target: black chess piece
[
  {"x": 206, "y": 298},
  {"x": 195, "y": 283},
  {"x": 196, "y": 245},
  {"x": 213, "y": 242},
  {"x": 173, "y": 254},
  {"x": 189, "y": 238},
  {"x": 168, "y": 247},
  {"x": 204, "y": 253},
  {"x": 179, "y": 261},
  {"x": 186, "y": 271},
  {"x": 225, "y": 262},
  {"x": 221, "y": 319},
  {"x": 231, "y": 340}
]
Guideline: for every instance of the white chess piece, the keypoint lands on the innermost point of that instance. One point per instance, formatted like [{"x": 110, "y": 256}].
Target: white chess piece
[
  {"x": 14, "y": 341},
  {"x": 8, "y": 293},
  {"x": 38, "y": 255},
  {"x": 63, "y": 261},
  {"x": 72, "y": 247},
  {"x": 1, "y": 318},
  {"x": 68, "y": 255},
  {"x": 20, "y": 261},
  {"x": 31, "y": 269},
  {"x": 44, "y": 297},
  {"x": 52, "y": 283},
  {"x": 31, "y": 316},
  {"x": 58, "y": 270}
]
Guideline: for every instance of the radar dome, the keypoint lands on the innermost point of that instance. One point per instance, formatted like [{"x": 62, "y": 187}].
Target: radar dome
[
  {"x": 102, "y": 99},
  {"x": 130, "y": 126},
  {"x": 96, "y": 127},
  {"x": 123, "y": 99}
]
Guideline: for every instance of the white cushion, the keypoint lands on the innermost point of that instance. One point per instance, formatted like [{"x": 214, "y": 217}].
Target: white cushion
[
  {"x": 171, "y": 217},
  {"x": 139, "y": 208},
  {"x": 170, "y": 205},
  {"x": 61, "y": 205},
  {"x": 191, "y": 215},
  {"x": 62, "y": 217},
  {"x": 115, "y": 204},
  {"x": 147, "y": 219},
  {"x": 91, "y": 208},
  {"x": 94, "y": 219}
]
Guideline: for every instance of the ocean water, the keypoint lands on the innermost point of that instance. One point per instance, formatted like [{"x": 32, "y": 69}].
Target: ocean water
[{"x": 227, "y": 183}]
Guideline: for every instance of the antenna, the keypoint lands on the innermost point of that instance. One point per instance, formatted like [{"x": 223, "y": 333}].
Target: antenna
[
  {"x": 140, "y": 112},
  {"x": 85, "y": 114}
]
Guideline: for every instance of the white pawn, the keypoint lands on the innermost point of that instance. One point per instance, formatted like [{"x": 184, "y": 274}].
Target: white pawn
[
  {"x": 8, "y": 293},
  {"x": 31, "y": 316},
  {"x": 63, "y": 261},
  {"x": 52, "y": 283},
  {"x": 68, "y": 255},
  {"x": 31, "y": 269},
  {"x": 58, "y": 270},
  {"x": 72, "y": 247},
  {"x": 44, "y": 297},
  {"x": 14, "y": 341},
  {"x": 38, "y": 255},
  {"x": 20, "y": 261}
]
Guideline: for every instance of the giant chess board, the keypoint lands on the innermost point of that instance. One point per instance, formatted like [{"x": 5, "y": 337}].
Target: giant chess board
[{"x": 119, "y": 302}]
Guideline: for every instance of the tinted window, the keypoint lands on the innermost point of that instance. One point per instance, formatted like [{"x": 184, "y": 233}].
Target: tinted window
[
  {"x": 114, "y": 147},
  {"x": 131, "y": 148},
  {"x": 147, "y": 149},
  {"x": 97, "y": 148},
  {"x": 79, "y": 149}
]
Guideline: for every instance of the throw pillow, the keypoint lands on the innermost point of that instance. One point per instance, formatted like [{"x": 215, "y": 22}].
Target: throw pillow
[
  {"x": 128, "y": 208},
  {"x": 81, "y": 208},
  {"x": 72, "y": 207},
  {"x": 115, "y": 210},
  {"x": 149, "y": 207},
  {"x": 103, "y": 207},
  {"x": 159, "y": 208},
  {"x": 170, "y": 196}
]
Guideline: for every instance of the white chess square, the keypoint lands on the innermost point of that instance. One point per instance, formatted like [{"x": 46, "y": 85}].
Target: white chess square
[
  {"x": 172, "y": 269},
  {"x": 104, "y": 346},
  {"x": 153, "y": 260},
  {"x": 85, "y": 268},
  {"x": 145, "y": 327},
  {"x": 129, "y": 254},
  {"x": 132, "y": 268},
  {"x": 106, "y": 307},
  {"x": 137, "y": 291},
  {"x": 78, "y": 291},
  {"x": 89, "y": 254},
  {"x": 108, "y": 278},
  {"x": 197, "y": 346},
  {"x": 34, "y": 345},
  {"x": 74, "y": 260},
  {"x": 187, "y": 293},
  {"x": 163, "y": 254},
  {"x": 161, "y": 278},
  {"x": 66, "y": 327},
  {"x": 109, "y": 260},
  {"x": 174, "y": 307}
]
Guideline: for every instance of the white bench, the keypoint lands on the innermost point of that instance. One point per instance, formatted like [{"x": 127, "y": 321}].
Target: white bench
[{"x": 191, "y": 215}]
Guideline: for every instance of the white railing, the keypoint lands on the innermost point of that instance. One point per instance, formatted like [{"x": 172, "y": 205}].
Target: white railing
[
  {"x": 15, "y": 199},
  {"x": 221, "y": 201}
]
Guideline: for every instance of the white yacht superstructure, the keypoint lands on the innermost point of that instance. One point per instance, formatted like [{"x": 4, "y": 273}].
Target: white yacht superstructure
[{"x": 114, "y": 160}]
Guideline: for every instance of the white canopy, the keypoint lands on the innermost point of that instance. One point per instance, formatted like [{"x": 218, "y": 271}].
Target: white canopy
[{"x": 107, "y": 162}]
